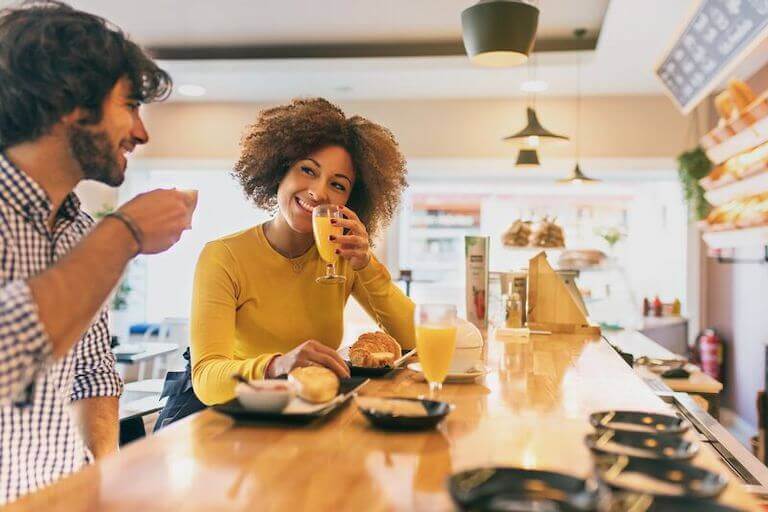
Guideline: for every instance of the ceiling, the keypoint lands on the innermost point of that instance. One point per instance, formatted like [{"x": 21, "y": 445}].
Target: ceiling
[{"x": 632, "y": 37}]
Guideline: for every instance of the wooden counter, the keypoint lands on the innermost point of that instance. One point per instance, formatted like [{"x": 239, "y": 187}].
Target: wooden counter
[{"x": 531, "y": 411}]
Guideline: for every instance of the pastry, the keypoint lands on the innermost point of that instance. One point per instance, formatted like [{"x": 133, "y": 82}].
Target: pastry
[
  {"x": 518, "y": 234},
  {"x": 741, "y": 94},
  {"x": 547, "y": 234},
  {"x": 315, "y": 384},
  {"x": 374, "y": 350}
]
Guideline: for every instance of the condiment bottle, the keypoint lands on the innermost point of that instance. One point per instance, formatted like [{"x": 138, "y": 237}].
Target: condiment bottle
[
  {"x": 676, "y": 307},
  {"x": 514, "y": 311},
  {"x": 657, "y": 306}
]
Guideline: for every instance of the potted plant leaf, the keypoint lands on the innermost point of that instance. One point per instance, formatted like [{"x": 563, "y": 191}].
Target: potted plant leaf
[{"x": 691, "y": 167}]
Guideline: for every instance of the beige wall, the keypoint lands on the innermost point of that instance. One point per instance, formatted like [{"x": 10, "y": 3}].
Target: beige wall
[{"x": 612, "y": 127}]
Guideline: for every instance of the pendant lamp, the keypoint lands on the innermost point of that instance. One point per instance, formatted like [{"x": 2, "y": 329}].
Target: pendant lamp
[
  {"x": 577, "y": 176},
  {"x": 533, "y": 133},
  {"x": 499, "y": 33},
  {"x": 527, "y": 158}
]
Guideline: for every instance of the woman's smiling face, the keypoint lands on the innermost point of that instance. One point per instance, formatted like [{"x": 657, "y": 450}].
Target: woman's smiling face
[{"x": 325, "y": 176}]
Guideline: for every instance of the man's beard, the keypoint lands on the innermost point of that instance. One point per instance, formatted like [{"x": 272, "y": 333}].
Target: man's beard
[{"x": 96, "y": 157}]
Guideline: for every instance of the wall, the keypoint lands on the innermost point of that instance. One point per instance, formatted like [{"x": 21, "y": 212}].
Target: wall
[
  {"x": 612, "y": 126},
  {"x": 736, "y": 299}
]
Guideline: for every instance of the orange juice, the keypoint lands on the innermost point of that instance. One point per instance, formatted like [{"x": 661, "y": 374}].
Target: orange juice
[
  {"x": 435, "y": 345},
  {"x": 323, "y": 228}
]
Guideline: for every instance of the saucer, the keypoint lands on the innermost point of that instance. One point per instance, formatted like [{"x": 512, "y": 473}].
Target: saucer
[{"x": 455, "y": 377}]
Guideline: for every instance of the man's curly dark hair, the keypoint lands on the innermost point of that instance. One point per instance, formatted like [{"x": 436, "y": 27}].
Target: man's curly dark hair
[
  {"x": 286, "y": 134},
  {"x": 54, "y": 59}
]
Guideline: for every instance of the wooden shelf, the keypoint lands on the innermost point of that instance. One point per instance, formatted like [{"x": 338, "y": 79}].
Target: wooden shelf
[
  {"x": 748, "y": 138},
  {"x": 746, "y": 237},
  {"x": 749, "y": 186}
]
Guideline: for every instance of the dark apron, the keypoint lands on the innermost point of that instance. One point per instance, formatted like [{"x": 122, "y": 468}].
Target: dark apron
[{"x": 181, "y": 397}]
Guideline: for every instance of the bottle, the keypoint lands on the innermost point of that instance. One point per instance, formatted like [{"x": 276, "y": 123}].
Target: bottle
[
  {"x": 657, "y": 306},
  {"x": 676, "y": 307},
  {"x": 514, "y": 311}
]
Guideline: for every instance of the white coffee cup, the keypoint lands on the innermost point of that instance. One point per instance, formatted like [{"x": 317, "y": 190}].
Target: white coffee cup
[{"x": 469, "y": 348}]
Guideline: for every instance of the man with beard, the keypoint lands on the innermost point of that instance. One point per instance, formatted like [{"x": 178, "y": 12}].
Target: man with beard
[{"x": 70, "y": 90}]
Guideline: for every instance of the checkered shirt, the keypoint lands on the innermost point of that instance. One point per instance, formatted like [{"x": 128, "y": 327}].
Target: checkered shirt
[{"x": 39, "y": 441}]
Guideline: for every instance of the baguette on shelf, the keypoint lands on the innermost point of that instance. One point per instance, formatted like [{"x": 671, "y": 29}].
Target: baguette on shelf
[
  {"x": 737, "y": 168},
  {"x": 747, "y": 212},
  {"x": 741, "y": 127}
]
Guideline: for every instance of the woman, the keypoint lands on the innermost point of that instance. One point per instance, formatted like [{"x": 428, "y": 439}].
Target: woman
[{"x": 257, "y": 310}]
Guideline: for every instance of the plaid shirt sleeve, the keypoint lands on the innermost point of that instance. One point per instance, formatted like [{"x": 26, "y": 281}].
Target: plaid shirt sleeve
[
  {"x": 24, "y": 346},
  {"x": 95, "y": 371}
]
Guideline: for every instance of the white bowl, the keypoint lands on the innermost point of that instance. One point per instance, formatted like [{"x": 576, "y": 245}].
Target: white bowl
[
  {"x": 465, "y": 359},
  {"x": 272, "y": 395}
]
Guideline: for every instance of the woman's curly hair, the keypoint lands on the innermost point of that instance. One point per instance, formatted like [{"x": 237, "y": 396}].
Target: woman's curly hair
[{"x": 286, "y": 134}]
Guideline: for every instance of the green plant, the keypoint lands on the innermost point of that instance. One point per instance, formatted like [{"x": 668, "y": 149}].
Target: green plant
[
  {"x": 611, "y": 235},
  {"x": 691, "y": 167}
]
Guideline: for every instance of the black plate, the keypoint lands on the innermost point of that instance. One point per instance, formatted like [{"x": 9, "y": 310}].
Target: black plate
[
  {"x": 436, "y": 411},
  {"x": 646, "y": 503},
  {"x": 504, "y": 489},
  {"x": 364, "y": 371},
  {"x": 235, "y": 409},
  {"x": 692, "y": 481},
  {"x": 638, "y": 421},
  {"x": 653, "y": 446}
]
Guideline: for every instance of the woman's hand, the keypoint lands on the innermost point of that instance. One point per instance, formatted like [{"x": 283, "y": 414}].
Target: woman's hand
[
  {"x": 309, "y": 353},
  {"x": 354, "y": 246}
]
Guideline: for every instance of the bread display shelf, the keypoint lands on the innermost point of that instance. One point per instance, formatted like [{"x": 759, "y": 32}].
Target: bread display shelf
[
  {"x": 752, "y": 136},
  {"x": 751, "y": 185},
  {"x": 733, "y": 238}
]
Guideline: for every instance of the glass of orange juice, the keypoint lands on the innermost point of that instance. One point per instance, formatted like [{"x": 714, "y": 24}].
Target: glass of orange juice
[
  {"x": 323, "y": 229},
  {"x": 435, "y": 341}
]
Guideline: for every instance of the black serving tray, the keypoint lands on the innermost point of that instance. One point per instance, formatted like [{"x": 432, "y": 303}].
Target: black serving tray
[
  {"x": 691, "y": 481},
  {"x": 436, "y": 412},
  {"x": 235, "y": 409},
  {"x": 505, "y": 488},
  {"x": 653, "y": 446},
  {"x": 639, "y": 421},
  {"x": 621, "y": 502}
]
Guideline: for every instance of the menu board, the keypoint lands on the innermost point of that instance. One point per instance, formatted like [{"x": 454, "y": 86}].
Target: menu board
[{"x": 710, "y": 44}]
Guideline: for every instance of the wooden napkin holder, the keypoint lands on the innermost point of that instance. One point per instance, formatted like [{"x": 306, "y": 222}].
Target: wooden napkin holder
[{"x": 552, "y": 305}]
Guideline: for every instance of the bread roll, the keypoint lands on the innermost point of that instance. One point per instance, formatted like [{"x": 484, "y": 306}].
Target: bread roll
[
  {"x": 741, "y": 93},
  {"x": 374, "y": 350},
  {"x": 315, "y": 384}
]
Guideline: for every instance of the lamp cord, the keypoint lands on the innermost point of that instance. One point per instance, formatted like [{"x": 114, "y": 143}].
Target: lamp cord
[{"x": 578, "y": 107}]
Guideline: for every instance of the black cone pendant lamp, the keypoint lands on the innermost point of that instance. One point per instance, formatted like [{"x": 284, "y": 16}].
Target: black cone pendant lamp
[
  {"x": 499, "y": 33},
  {"x": 527, "y": 158}
]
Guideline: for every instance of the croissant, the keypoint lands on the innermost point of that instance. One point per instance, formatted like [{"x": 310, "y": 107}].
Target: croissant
[{"x": 374, "y": 350}]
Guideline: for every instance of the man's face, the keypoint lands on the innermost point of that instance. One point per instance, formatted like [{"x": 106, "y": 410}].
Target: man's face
[{"x": 101, "y": 149}]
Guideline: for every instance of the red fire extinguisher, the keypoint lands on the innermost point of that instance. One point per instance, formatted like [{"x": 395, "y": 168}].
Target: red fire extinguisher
[{"x": 709, "y": 349}]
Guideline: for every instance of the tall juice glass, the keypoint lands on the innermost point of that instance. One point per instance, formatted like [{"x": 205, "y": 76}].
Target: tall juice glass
[
  {"x": 323, "y": 229},
  {"x": 435, "y": 341}
]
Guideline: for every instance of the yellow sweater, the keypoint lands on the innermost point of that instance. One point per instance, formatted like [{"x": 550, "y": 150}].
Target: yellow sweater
[{"x": 250, "y": 303}]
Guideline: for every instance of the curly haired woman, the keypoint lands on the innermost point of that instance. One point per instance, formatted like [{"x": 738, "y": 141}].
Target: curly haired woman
[{"x": 257, "y": 310}]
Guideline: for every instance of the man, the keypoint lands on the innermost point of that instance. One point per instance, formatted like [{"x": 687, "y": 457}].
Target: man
[{"x": 70, "y": 90}]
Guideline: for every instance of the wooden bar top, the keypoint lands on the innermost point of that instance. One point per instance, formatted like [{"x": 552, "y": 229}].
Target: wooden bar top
[{"x": 530, "y": 411}]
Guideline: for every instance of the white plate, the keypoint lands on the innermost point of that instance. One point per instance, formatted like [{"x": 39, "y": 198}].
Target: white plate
[{"x": 452, "y": 377}]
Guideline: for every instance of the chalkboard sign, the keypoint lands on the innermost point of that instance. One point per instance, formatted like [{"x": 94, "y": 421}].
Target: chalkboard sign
[{"x": 712, "y": 41}]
